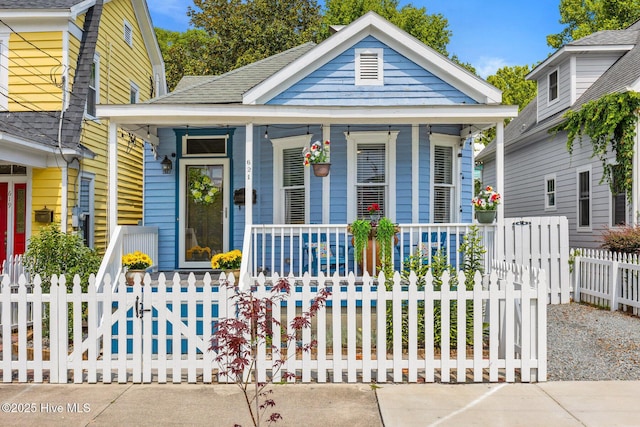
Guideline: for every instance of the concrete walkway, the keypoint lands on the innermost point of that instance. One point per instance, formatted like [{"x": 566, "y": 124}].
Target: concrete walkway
[{"x": 544, "y": 404}]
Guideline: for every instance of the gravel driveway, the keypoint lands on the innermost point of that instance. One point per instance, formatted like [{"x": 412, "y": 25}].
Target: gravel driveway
[{"x": 586, "y": 343}]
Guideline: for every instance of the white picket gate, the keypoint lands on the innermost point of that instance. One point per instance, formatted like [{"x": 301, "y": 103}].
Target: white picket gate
[
  {"x": 541, "y": 243},
  {"x": 161, "y": 332}
]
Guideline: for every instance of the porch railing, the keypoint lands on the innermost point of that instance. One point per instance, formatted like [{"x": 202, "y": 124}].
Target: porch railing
[
  {"x": 328, "y": 248},
  {"x": 125, "y": 239}
]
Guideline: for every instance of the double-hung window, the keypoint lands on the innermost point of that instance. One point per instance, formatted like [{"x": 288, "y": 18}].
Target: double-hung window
[
  {"x": 93, "y": 94},
  {"x": 443, "y": 172},
  {"x": 618, "y": 200},
  {"x": 552, "y": 82},
  {"x": 584, "y": 198},
  {"x": 550, "y": 192},
  {"x": 372, "y": 173},
  {"x": 291, "y": 195}
]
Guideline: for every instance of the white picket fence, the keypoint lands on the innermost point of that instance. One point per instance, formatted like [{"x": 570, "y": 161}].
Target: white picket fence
[
  {"x": 607, "y": 279},
  {"x": 161, "y": 332},
  {"x": 13, "y": 268}
]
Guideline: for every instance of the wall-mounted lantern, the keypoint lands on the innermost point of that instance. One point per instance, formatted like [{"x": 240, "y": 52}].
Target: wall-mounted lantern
[{"x": 167, "y": 165}]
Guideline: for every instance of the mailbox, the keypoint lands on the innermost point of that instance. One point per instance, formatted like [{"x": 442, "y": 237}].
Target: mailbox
[
  {"x": 44, "y": 215},
  {"x": 238, "y": 197}
]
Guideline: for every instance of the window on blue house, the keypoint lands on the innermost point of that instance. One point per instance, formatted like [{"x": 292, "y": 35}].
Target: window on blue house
[
  {"x": 291, "y": 181},
  {"x": 443, "y": 183}
]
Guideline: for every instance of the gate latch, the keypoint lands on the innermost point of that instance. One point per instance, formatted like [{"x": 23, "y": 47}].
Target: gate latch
[
  {"x": 140, "y": 308},
  {"x": 522, "y": 223}
]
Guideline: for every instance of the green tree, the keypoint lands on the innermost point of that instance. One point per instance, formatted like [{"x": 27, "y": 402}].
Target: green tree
[
  {"x": 188, "y": 53},
  {"x": 515, "y": 91},
  {"x": 584, "y": 17},
  {"x": 244, "y": 31},
  {"x": 430, "y": 29}
]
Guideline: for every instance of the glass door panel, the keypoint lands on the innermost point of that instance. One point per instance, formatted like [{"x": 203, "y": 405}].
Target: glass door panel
[{"x": 204, "y": 222}]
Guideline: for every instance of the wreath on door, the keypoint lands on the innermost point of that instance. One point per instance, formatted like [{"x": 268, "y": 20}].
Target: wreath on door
[{"x": 201, "y": 188}]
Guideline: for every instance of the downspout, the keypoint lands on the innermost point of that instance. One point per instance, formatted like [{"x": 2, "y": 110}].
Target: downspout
[
  {"x": 635, "y": 198},
  {"x": 64, "y": 209}
]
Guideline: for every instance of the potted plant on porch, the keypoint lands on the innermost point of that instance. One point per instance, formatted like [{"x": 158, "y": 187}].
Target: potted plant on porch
[
  {"x": 229, "y": 262},
  {"x": 365, "y": 231},
  {"x": 136, "y": 264},
  {"x": 485, "y": 205}
]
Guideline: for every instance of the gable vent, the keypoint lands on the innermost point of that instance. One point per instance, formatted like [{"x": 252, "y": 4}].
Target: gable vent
[
  {"x": 128, "y": 33},
  {"x": 369, "y": 66}
]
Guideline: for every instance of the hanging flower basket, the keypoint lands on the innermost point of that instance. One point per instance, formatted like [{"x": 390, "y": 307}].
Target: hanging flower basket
[{"x": 321, "y": 169}]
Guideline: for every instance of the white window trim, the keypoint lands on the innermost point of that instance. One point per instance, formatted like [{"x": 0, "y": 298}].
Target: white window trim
[
  {"x": 447, "y": 141},
  {"x": 371, "y": 137},
  {"x": 578, "y": 172},
  {"x": 369, "y": 82},
  {"x": 126, "y": 25},
  {"x": 185, "y": 142},
  {"x": 279, "y": 145},
  {"x": 547, "y": 206},
  {"x": 557, "y": 98},
  {"x": 4, "y": 71},
  {"x": 135, "y": 87},
  {"x": 96, "y": 60}
]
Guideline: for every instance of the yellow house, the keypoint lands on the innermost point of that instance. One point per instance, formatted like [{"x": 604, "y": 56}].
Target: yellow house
[{"x": 58, "y": 60}]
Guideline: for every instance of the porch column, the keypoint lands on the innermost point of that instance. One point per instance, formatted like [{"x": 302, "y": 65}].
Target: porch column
[
  {"x": 500, "y": 168},
  {"x": 326, "y": 181},
  {"x": 499, "y": 238},
  {"x": 248, "y": 178},
  {"x": 112, "y": 220}
]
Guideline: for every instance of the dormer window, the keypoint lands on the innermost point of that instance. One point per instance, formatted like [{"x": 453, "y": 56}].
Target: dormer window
[
  {"x": 552, "y": 82},
  {"x": 369, "y": 70}
]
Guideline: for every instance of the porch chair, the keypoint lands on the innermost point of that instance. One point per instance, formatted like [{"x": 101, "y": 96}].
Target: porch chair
[
  {"x": 431, "y": 243},
  {"x": 330, "y": 257}
]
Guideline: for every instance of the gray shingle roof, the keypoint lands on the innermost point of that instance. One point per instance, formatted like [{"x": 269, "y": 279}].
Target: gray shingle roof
[
  {"x": 38, "y": 4},
  {"x": 228, "y": 88},
  {"x": 40, "y": 127},
  {"x": 607, "y": 37},
  {"x": 188, "y": 81}
]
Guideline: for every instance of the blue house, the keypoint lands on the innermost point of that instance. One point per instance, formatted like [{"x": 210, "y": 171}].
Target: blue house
[{"x": 224, "y": 166}]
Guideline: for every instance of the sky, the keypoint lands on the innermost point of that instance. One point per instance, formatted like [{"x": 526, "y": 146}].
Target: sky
[{"x": 488, "y": 34}]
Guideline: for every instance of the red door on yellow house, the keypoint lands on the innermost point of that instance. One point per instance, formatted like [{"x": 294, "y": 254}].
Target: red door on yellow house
[{"x": 13, "y": 219}]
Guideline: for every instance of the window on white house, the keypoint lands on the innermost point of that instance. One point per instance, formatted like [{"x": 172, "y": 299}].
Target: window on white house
[
  {"x": 443, "y": 185},
  {"x": 550, "y": 192},
  {"x": 584, "y": 198},
  {"x": 369, "y": 69},
  {"x": 92, "y": 94},
  {"x": 618, "y": 201},
  {"x": 128, "y": 33},
  {"x": 291, "y": 195},
  {"x": 134, "y": 94},
  {"x": 371, "y": 177},
  {"x": 553, "y": 85}
]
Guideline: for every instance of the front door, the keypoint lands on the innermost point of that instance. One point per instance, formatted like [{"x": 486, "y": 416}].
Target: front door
[
  {"x": 4, "y": 205},
  {"x": 203, "y": 212}
]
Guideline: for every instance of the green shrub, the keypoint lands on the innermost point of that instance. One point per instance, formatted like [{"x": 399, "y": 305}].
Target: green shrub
[
  {"x": 54, "y": 252},
  {"x": 622, "y": 239}
]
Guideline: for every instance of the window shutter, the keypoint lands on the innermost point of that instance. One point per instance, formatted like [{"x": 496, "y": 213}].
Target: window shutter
[
  {"x": 293, "y": 186},
  {"x": 442, "y": 183}
]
